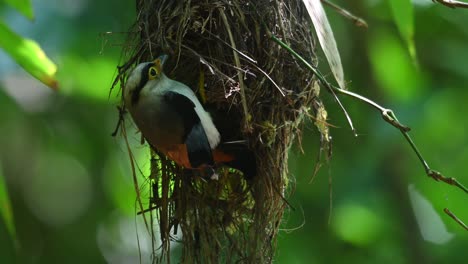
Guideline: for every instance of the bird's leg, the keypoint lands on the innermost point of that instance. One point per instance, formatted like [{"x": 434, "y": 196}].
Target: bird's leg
[{"x": 210, "y": 171}]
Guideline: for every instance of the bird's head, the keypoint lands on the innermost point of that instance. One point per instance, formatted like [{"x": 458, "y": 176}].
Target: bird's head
[{"x": 143, "y": 74}]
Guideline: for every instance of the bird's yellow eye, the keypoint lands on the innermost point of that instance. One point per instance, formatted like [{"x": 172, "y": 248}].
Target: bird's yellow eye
[{"x": 153, "y": 73}]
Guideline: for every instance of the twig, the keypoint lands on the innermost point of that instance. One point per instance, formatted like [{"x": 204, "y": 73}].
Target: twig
[
  {"x": 229, "y": 45},
  {"x": 252, "y": 62},
  {"x": 387, "y": 115},
  {"x": 149, "y": 209},
  {"x": 452, "y": 3},
  {"x": 135, "y": 180},
  {"x": 356, "y": 20},
  {"x": 319, "y": 76},
  {"x": 454, "y": 217},
  {"x": 122, "y": 69},
  {"x": 239, "y": 73},
  {"x": 122, "y": 112}
]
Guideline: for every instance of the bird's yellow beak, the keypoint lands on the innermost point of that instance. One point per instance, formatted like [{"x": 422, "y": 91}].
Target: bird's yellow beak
[
  {"x": 162, "y": 58},
  {"x": 159, "y": 62}
]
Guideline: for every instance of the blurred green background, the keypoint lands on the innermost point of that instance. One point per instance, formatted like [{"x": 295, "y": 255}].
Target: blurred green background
[{"x": 69, "y": 186}]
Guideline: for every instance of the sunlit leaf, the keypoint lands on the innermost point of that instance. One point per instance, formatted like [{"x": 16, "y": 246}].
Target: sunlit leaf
[
  {"x": 402, "y": 11},
  {"x": 23, "y": 6},
  {"x": 326, "y": 38},
  {"x": 89, "y": 77},
  {"x": 392, "y": 67},
  {"x": 118, "y": 184},
  {"x": 29, "y": 55},
  {"x": 356, "y": 224},
  {"x": 5, "y": 207},
  {"x": 429, "y": 221}
]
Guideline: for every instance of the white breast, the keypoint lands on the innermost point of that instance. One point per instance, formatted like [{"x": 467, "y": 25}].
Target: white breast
[{"x": 164, "y": 84}]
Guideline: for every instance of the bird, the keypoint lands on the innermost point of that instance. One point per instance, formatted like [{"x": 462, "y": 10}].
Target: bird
[{"x": 173, "y": 121}]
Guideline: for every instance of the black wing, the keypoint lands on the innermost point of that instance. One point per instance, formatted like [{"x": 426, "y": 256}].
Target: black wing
[{"x": 198, "y": 146}]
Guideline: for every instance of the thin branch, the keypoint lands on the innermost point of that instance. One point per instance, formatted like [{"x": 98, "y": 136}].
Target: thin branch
[
  {"x": 454, "y": 217},
  {"x": 356, "y": 20},
  {"x": 252, "y": 61},
  {"x": 387, "y": 115},
  {"x": 122, "y": 112},
  {"x": 319, "y": 76},
  {"x": 452, "y": 3},
  {"x": 239, "y": 73},
  {"x": 134, "y": 176},
  {"x": 230, "y": 46}
]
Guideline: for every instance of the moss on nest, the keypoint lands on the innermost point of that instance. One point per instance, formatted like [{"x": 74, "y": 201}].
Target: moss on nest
[{"x": 224, "y": 47}]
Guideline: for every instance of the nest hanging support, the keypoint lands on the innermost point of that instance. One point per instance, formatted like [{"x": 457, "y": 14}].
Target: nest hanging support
[{"x": 258, "y": 93}]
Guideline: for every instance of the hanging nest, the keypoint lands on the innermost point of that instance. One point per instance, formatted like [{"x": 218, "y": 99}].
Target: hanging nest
[{"x": 259, "y": 93}]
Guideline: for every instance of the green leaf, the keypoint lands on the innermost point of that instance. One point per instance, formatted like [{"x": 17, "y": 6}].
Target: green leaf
[
  {"x": 29, "y": 55},
  {"x": 393, "y": 68},
  {"x": 5, "y": 208},
  {"x": 326, "y": 39},
  {"x": 357, "y": 224},
  {"x": 23, "y": 6},
  {"x": 89, "y": 77},
  {"x": 402, "y": 11},
  {"x": 430, "y": 223}
]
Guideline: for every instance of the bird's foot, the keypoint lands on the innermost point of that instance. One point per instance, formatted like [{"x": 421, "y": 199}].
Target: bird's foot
[
  {"x": 214, "y": 176},
  {"x": 210, "y": 171}
]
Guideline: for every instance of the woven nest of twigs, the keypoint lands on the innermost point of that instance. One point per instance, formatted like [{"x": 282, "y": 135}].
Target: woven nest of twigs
[{"x": 224, "y": 51}]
